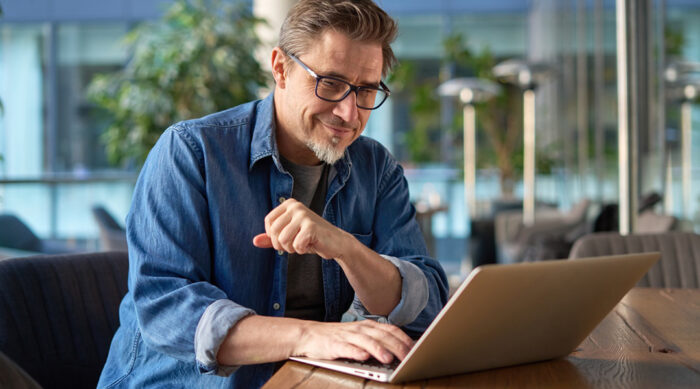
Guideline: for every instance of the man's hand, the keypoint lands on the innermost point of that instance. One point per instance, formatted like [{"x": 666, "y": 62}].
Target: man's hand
[
  {"x": 355, "y": 340},
  {"x": 294, "y": 228},
  {"x": 250, "y": 341}
]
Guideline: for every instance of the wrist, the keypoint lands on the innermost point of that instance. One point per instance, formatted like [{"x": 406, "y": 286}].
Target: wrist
[
  {"x": 300, "y": 337},
  {"x": 348, "y": 248}
]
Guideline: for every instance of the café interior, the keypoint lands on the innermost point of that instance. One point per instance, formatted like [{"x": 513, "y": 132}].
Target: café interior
[{"x": 529, "y": 132}]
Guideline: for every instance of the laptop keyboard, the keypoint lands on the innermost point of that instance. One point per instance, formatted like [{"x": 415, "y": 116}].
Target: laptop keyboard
[{"x": 373, "y": 362}]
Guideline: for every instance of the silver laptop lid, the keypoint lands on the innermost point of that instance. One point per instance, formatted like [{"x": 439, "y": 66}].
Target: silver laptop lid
[{"x": 511, "y": 314}]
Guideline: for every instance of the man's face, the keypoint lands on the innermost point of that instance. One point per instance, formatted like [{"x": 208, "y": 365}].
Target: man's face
[{"x": 311, "y": 129}]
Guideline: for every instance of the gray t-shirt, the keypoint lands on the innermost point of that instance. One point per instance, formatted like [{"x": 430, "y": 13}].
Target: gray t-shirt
[{"x": 304, "y": 277}]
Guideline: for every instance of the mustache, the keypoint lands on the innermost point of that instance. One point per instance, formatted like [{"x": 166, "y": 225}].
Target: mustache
[{"x": 335, "y": 121}]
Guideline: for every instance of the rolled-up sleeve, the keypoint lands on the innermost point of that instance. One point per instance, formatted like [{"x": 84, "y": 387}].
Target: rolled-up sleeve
[
  {"x": 212, "y": 330},
  {"x": 398, "y": 238},
  {"x": 414, "y": 294},
  {"x": 180, "y": 312}
]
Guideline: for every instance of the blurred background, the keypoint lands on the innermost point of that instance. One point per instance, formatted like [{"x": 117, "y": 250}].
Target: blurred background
[{"x": 535, "y": 86}]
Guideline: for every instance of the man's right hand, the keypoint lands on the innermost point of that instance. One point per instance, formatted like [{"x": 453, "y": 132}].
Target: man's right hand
[
  {"x": 354, "y": 340},
  {"x": 260, "y": 339}
]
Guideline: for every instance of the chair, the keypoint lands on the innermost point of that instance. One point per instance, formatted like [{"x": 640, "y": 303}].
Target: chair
[
  {"x": 650, "y": 222},
  {"x": 517, "y": 242},
  {"x": 112, "y": 234},
  {"x": 15, "y": 234},
  {"x": 58, "y": 314},
  {"x": 679, "y": 266},
  {"x": 12, "y": 376},
  {"x": 608, "y": 218}
]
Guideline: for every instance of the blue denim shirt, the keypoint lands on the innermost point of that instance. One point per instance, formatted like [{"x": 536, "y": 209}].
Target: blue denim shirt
[{"x": 201, "y": 197}]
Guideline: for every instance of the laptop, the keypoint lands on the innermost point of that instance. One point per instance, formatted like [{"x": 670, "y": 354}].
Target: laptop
[{"x": 504, "y": 315}]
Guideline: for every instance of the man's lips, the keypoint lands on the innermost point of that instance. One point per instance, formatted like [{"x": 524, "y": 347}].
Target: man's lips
[{"x": 338, "y": 131}]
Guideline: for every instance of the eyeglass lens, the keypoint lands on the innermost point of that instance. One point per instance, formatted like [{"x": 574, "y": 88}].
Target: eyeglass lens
[{"x": 335, "y": 90}]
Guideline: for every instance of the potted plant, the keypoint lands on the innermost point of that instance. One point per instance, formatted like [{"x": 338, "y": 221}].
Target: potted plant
[
  {"x": 500, "y": 140},
  {"x": 198, "y": 59}
]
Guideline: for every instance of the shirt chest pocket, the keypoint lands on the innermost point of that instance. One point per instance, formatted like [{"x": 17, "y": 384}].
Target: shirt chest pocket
[{"x": 365, "y": 239}]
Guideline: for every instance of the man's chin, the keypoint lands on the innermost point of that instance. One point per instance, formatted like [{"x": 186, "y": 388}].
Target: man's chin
[{"x": 328, "y": 153}]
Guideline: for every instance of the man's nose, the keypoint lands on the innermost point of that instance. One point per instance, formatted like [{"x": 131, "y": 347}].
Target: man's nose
[{"x": 346, "y": 109}]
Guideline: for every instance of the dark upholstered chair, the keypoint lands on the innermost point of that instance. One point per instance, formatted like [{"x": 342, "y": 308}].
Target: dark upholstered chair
[
  {"x": 13, "y": 377},
  {"x": 518, "y": 242},
  {"x": 679, "y": 266},
  {"x": 112, "y": 234},
  {"x": 16, "y": 234},
  {"x": 58, "y": 314}
]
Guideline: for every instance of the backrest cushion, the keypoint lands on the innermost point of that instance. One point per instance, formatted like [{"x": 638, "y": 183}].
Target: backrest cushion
[
  {"x": 14, "y": 233},
  {"x": 58, "y": 314},
  {"x": 650, "y": 222},
  {"x": 105, "y": 220},
  {"x": 679, "y": 266}
]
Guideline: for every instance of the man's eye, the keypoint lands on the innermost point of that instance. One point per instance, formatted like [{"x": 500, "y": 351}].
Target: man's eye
[
  {"x": 367, "y": 92},
  {"x": 328, "y": 83}
]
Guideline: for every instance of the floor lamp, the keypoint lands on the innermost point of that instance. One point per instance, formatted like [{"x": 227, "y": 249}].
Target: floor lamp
[
  {"x": 469, "y": 91},
  {"x": 686, "y": 88},
  {"x": 527, "y": 76}
]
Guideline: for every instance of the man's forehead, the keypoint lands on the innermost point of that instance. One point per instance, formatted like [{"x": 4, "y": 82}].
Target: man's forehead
[{"x": 341, "y": 57}]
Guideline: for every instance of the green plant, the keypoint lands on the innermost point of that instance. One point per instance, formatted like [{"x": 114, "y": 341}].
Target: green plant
[
  {"x": 499, "y": 118},
  {"x": 674, "y": 41},
  {"x": 197, "y": 60},
  {"x": 424, "y": 109},
  {"x": 499, "y": 124}
]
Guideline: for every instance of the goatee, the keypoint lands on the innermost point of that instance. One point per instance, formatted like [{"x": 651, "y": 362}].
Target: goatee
[{"x": 328, "y": 153}]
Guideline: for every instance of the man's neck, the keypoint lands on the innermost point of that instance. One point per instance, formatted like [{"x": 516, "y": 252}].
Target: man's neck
[{"x": 289, "y": 147}]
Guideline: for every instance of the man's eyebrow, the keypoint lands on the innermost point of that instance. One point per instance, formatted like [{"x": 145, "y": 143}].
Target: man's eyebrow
[{"x": 373, "y": 84}]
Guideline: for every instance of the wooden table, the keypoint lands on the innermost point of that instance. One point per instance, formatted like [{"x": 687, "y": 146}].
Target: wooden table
[{"x": 650, "y": 340}]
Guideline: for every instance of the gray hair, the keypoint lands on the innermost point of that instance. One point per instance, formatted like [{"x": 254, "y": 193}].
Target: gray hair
[{"x": 360, "y": 20}]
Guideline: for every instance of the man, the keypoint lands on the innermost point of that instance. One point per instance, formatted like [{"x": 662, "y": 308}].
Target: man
[{"x": 253, "y": 230}]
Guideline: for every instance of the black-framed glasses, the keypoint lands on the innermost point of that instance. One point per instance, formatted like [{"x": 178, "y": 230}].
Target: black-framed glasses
[{"x": 334, "y": 89}]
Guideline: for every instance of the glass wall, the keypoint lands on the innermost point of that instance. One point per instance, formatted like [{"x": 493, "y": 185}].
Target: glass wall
[
  {"x": 22, "y": 89},
  {"x": 50, "y": 133},
  {"x": 53, "y": 163},
  {"x": 682, "y": 32},
  {"x": 576, "y": 107},
  {"x": 83, "y": 50}
]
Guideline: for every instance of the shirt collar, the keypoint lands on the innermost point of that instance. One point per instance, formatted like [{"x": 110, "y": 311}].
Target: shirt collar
[{"x": 263, "y": 143}]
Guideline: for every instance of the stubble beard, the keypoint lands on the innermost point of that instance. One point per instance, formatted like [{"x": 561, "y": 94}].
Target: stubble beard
[
  {"x": 325, "y": 148},
  {"x": 328, "y": 152}
]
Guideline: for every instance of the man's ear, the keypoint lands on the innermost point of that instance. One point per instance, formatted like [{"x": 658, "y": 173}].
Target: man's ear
[{"x": 279, "y": 67}]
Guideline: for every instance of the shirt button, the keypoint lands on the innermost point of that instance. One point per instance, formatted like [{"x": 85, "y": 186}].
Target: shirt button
[
  {"x": 280, "y": 252},
  {"x": 276, "y": 306},
  {"x": 281, "y": 199}
]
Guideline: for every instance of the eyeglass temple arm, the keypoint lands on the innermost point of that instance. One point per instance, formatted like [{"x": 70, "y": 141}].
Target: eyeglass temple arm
[
  {"x": 384, "y": 87},
  {"x": 316, "y": 76}
]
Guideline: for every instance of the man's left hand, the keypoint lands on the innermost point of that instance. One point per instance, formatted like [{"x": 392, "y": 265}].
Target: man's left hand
[{"x": 294, "y": 228}]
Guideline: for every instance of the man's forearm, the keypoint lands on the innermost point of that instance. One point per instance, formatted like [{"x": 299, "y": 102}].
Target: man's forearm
[
  {"x": 294, "y": 228},
  {"x": 260, "y": 339},
  {"x": 376, "y": 281}
]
